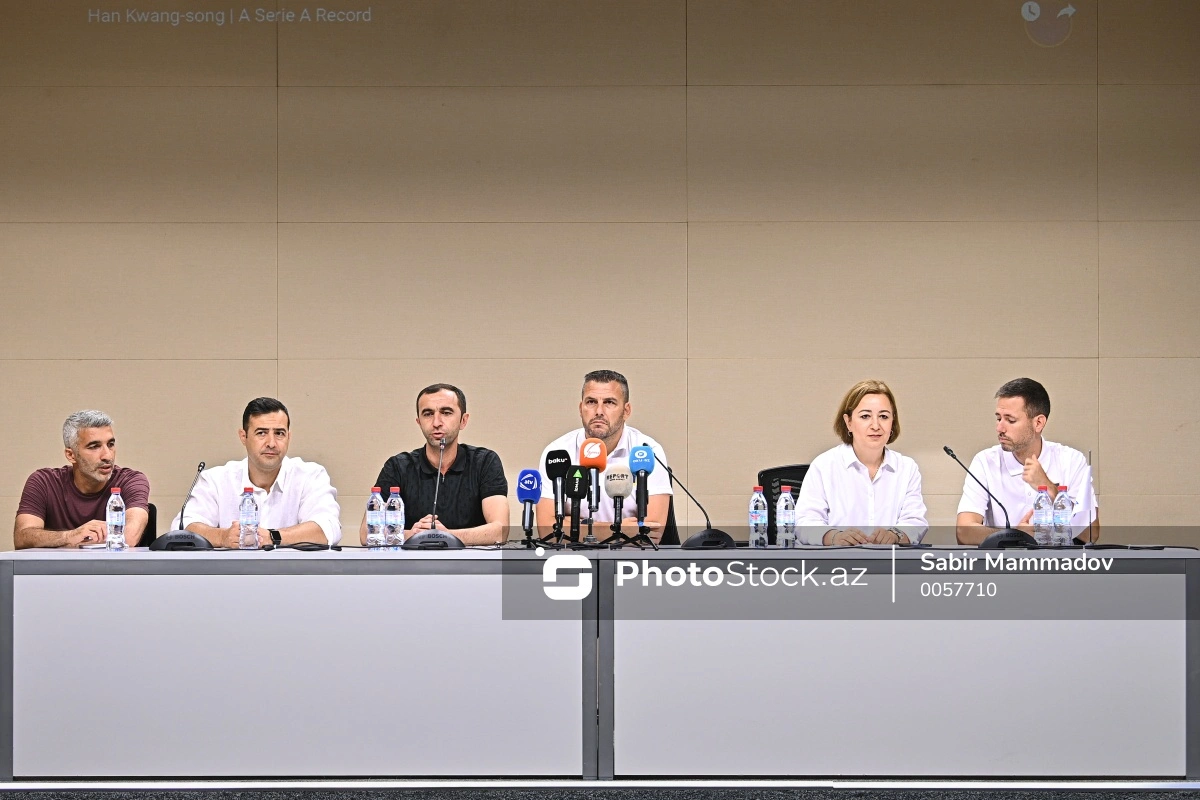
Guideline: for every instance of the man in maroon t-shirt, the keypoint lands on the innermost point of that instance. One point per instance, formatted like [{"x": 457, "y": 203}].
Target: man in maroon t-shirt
[{"x": 65, "y": 506}]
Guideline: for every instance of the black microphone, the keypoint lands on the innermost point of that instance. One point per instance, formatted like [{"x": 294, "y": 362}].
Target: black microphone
[
  {"x": 558, "y": 463},
  {"x": 433, "y": 539},
  {"x": 1008, "y": 536},
  {"x": 576, "y": 487},
  {"x": 710, "y": 537},
  {"x": 181, "y": 539}
]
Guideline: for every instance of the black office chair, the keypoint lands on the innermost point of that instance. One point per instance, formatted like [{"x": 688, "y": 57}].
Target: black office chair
[
  {"x": 771, "y": 479},
  {"x": 151, "y": 532},
  {"x": 670, "y": 533}
]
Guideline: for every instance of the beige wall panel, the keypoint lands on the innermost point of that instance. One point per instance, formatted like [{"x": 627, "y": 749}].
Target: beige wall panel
[
  {"x": 138, "y": 155},
  {"x": 1149, "y": 455},
  {"x": 1149, "y": 41},
  {"x": 1173, "y": 520},
  {"x": 8, "y": 515},
  {"x": 790, "y": 406},
  {"x": 757, "y": 287},
  {"x": 479, "y": 290},
  {"x": 1149, "y": 152},
  {"x": 492, "y": 43},
  {"x": 167, "y": 415},
  {"x": 128, "y": 291},
  {"x": 892, "y": 153},
  {"x": 60, "y": 44},
  {"x": 351, "y": 415},
  {"x": 884, "y": 42},
  {"x": 482, "y": 155},
  {"x": 1149, "y": 289}
]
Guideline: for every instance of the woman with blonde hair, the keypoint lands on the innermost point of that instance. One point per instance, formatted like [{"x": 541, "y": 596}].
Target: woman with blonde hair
[{"x": 863, "y": 492}]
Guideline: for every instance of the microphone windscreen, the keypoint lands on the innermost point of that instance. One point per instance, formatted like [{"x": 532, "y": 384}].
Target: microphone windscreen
[
  {"x": 593, "y": 454},
  {"x": 558, "y": 463},
  {"x": 618, "y": 480},
  {"x": 641, "y": 458},
  {"x": 529, "y": 486},
  {"x": 575, "y": 485}
]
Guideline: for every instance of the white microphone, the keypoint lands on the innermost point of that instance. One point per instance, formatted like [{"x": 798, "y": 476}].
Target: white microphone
[{"x": 618, "y": 484}]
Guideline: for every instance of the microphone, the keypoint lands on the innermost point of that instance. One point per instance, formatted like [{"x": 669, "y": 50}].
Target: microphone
[
  {"x": 593, "y": 455},
  {"x": 181, "y": 539},
  {"x": 433, "y": 539},
  {"x": 575, "y": 486},
  {"x": 558, "y": 464},
  {"x": 618, "y": 484},
  {"x": 710, "y": 537},
  {"x": 529, "y": 491},
  {"x": 1007, "y": 537},
  {"x": 641, "y": 461}
]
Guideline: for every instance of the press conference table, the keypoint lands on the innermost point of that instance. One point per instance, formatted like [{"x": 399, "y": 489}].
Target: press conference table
[{"x": 397, "y": 664}]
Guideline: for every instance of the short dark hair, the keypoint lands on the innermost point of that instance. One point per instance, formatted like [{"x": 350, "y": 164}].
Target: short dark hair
[
  {"x": 607, "y": 376},
  {"x": 443, "y": 387},
  {"x": 1037, "y": 399},
  {"x": 263, "y": 405}
]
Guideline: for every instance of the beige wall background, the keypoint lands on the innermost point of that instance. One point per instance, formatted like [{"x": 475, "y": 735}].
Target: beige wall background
[{"x": 746, "y": 206}]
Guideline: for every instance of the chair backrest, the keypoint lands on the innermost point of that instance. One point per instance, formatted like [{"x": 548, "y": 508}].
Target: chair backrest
[
  {"x": 771, "y": 479},
  {"x": 670, "y": 533},
  {"x": 151, "y": 532}
]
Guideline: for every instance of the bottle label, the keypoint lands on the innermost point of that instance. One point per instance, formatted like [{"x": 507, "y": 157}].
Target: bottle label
[
  {"x": 758, "y": 517},
  {"x": 393, "y": 518},
  {"x": 374, "y": 518},
  {"x": 116, "y": 518}
]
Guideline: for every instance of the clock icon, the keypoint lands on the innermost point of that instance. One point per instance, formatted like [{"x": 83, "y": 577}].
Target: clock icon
[{"x": 1031, "y": 11}]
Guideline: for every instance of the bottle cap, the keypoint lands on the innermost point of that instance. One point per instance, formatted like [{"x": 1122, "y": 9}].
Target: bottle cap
[
  {"x": 395, "y": 490},
  {"x": 374, "y": 490},
  {"x": 1043, "y": 488},
  {"x": 1062, "y": 488},
  {"x": 116, "y": 490},
  {"x": 249, "y": 489},
  {"x": 758, "y": 488},
  {"x": 785, "y": 488}
]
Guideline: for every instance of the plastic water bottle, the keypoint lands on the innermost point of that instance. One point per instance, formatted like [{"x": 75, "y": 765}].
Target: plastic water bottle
[
  {"x": 114, "y": 516},
  {"x": 1043, "y": 517},
  {"x": 758, "y": 518},
  {"x": 375, "y": 535},
  {"x": 393, "y": 519},
  {"x": 785, "y": 518},
  {"x": 248, "y": 521},
  {"x": 1064, "y": 511}
]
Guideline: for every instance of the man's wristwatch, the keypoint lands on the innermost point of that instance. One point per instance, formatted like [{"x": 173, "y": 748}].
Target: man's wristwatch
[{"x": 276, "y": 538}]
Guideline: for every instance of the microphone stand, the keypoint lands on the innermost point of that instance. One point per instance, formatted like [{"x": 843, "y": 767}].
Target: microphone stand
[
  {"x": 619, "y": 538},
  {"x": 710, "y": 537},
  {"x": 1005, "y": 538}
]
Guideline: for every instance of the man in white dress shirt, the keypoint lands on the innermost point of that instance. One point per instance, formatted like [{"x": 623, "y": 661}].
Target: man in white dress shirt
[
  {"x": 1022, "y": 461},
  {"x": 603, "y": 411},
  {"x": 296, "y": 502}
]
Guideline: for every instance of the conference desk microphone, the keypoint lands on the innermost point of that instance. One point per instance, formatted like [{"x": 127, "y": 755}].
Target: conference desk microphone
[
  {"x": 1007, "y": 537},
  {"x": 433, "y": 539},
  {"x": 593, "y": 456},
  {"x": 708, "y": 539},
  {"x": 619, "y": 484},
  {"x": 181, "y": 539}
]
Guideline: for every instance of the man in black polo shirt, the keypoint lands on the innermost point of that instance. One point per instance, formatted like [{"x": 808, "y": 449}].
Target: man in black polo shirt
[{"x": 473, "y": 498}]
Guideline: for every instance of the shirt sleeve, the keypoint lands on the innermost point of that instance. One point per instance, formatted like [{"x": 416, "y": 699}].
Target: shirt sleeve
[
  {"x": 659, "y": 481},
  {"x": 912, "y": 509},
  {"x": 491, "y": 479},
  {"x": 1079, "y": 486},
  {"x": 203, "y": 506},
  {"x": 812, "y": 507},
  {"x": 34, "y": 497},
  {"x": 974, "y": 498},
  {"x": 135, "y": 490},
  {"x": 318, "y": 503}
]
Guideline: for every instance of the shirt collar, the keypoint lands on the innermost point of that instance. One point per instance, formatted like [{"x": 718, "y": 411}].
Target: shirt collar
[
  {"x": 280, "y": 480},
  {"x": 850, "y": 460},
  {"x": 1014, "y": 467},
  {"x": 459, "y": 465}
]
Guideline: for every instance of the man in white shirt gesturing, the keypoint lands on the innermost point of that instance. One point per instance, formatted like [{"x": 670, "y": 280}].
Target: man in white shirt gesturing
[
  {"x": 1022, "y": 461},
  {"x": 296, "y": 502}
]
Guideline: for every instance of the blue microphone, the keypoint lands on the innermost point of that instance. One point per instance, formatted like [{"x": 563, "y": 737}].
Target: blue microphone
[
  {"x": 529, "y": 491},
  {"x": 641, "y": 464}
]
